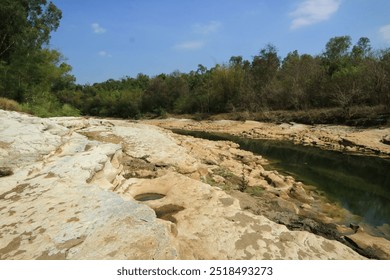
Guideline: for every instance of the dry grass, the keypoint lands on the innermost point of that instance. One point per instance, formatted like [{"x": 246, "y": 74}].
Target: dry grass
[{"x": 9, "y": 104}]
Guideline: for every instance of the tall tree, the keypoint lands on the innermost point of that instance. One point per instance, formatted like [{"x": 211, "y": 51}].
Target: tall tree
[
  {"x": 25, "y": 27},
  {"x": 300, "y": 76},
  {"x": 337, "y": 53},
  {"x": 362, "y": 49},
  {"x": 264, "y": 68}
]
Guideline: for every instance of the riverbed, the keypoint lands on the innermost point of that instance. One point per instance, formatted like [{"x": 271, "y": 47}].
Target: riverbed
[{"x": 360, "y": 184}]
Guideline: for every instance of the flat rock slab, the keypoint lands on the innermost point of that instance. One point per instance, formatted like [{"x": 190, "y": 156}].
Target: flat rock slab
[
  {"x": 211, "y": 225},
  {"x": 67, "y": 198},
  {"x": 376, "y": 245}
]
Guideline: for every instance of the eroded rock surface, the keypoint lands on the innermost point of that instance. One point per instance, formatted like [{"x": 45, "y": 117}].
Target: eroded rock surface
[{"x": 71, "y": 192}]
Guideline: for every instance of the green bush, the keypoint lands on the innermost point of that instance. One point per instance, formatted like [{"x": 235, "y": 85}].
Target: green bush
[
  {"x": 68, "y": 110},
  {"x": 45, "y": 104}
]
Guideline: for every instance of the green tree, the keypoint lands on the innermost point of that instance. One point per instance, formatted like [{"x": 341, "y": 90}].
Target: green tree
[
  {"x": 25, "y": 27},
  {"x": 382, "y": 79},
  {"x": 200, "y": 90},
  {"x": 29, "y": 71},
  {"x": 361, "y": 50},
  {"x": 301, "y": 78},
  {"x": 347, "y": 70},
  {"x": 156, "y": 95},
  {"x": 264, "y": 69},
  {"x": 336, "y": 53}
]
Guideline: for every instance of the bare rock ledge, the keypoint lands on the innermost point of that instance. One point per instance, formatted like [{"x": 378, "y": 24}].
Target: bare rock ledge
[{"x": 70, "y": 184}]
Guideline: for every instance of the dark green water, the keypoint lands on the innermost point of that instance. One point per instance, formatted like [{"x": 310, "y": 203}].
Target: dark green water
[{"x": 360, "y": 184}]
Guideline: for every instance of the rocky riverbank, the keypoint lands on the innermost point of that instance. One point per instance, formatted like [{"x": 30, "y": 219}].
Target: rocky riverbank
[
  {"x": 68, "y": 190},
  {"x": 368, "y": 141},
  {"x": 306, "y": 208}
]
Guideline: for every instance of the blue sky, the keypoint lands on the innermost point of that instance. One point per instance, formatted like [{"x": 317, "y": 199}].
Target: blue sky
[{"x": 114, "y": 39}]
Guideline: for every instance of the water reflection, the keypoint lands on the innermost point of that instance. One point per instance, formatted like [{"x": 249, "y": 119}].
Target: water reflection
[{"x": 358, "y": 183}]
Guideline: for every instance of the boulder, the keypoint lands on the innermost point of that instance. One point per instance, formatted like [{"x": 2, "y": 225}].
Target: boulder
[{"x": 298, "y": 192}]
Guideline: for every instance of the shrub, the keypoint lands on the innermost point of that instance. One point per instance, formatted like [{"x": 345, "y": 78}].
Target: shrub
[
  {"x": 9, "y": 104},
  {"x": 68, "y": 110},
  {"x": 45, "y": 104},
  {"x": 45, "y": 111}
]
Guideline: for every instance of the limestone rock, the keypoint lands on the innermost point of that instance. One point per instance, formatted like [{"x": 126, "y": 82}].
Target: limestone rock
[
  {"x": 71, "y": 195},
  {"x": 377, "y": 247},
  {"x": 275, "y": 180},
  {"x": 211, "y": 225},
  {"x": 50, "y": 209},
  {"x": 315, "y": 213},
  {"x": 386, "y": 139},
  {"x": 298, "y": 192},
  {"x": 218, "y": 179}
]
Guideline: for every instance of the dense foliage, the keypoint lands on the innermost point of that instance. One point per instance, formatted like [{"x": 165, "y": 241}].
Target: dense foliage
[
  {"x": 344, "y": 76},
  {"x": 30, "y": 72}
]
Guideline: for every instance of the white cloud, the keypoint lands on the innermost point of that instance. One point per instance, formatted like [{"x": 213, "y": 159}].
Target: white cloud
[
  {"x": 208, "y": 28},
  {"x": 104, "y": 54},
  {"x": 190, "y": 45},
  {"x": 97, "y": 28},
  {"x": 313, "y": 11},
  {"x": 384, "y": 31}
]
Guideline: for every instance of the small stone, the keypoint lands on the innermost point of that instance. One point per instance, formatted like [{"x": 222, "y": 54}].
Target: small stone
[
  {"x": 298, "y": 192},
  {"x": 305, "y": 206},
  {"x": 386, "y": 140},
  {"x": 218, "y": 179},
  {"x": 354, "y": 226}
]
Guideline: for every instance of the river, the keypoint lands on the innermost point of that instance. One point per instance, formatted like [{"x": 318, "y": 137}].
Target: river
[{"x": 360, "y": 184}]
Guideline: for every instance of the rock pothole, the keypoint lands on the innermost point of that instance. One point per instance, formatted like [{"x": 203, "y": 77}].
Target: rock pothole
[
  {"x": 164, "y": 212},
  {"x": 149, "y": 196}
]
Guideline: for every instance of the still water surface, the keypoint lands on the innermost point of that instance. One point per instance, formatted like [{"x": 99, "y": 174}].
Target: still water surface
[{"x": 360, "y": 184}]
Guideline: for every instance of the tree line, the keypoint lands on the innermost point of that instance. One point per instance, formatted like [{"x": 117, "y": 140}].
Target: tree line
[{"x": 345, "y": 75}]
